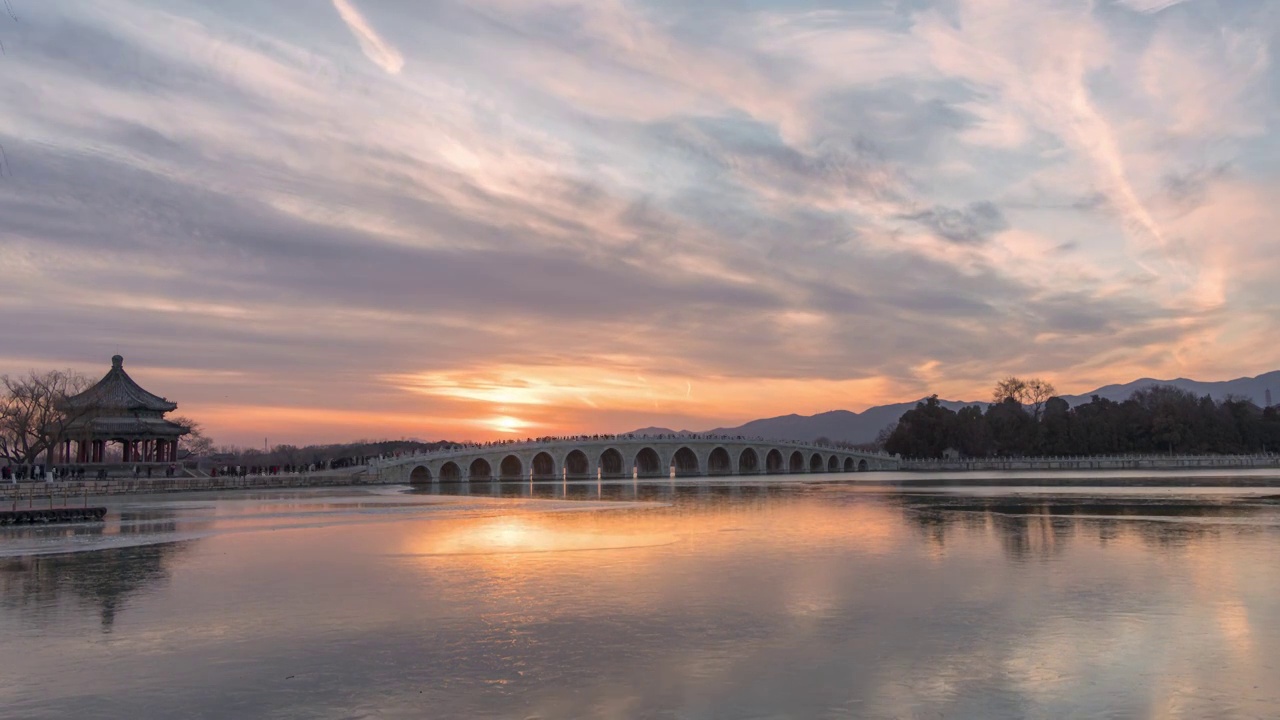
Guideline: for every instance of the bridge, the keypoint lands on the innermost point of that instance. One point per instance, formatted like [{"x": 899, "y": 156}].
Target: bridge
[{"x": 627, "y": 456}]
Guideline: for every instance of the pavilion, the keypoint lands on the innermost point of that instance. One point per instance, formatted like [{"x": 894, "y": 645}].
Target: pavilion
[{"x": 118, "y": 410}]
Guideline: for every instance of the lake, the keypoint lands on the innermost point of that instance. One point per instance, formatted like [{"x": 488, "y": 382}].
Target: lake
[{"x": 769, "y": 598}]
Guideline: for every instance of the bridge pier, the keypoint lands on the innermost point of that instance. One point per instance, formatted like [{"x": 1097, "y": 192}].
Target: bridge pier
[{"x": 619, "y": 457}]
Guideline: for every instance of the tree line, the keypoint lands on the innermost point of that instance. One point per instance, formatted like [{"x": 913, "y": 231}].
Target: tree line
[
  {"x": 328, "y": 455},
  {"x": 1026, "y": 419}
]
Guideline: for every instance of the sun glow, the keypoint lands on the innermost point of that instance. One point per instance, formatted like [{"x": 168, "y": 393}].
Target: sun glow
[
  {"x": 528, "y": 535},
  {"x": 551, "y": 394},
  {"x": 507, "y": 424}
]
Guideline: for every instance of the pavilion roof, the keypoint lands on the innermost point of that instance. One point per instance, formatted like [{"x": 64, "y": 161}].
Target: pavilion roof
[
  {"x": 126, "y": 427},
  {"x": 117, "y": 391}
]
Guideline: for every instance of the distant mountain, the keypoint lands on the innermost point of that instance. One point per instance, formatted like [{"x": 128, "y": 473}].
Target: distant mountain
[
  {"x": 863, "y": 427},
  {"x": 835, "y": 425},
  {"x": 658, "y": 431},
  {"x": 1254, "y": 388}
]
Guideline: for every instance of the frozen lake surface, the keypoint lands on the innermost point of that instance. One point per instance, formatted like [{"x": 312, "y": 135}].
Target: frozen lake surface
[{"x": 742, "y": 599}]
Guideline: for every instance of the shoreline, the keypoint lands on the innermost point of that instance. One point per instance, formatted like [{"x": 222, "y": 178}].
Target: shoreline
[
  {"x": 73, "y": 489},
  {"x": 1218, "y": 477}
]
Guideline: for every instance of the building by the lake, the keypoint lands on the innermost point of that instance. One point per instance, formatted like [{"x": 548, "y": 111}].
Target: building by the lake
[{"x": 118, "y": 410}]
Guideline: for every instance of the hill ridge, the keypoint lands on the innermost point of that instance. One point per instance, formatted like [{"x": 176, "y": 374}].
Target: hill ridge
[{"x": 863, "y": 427}]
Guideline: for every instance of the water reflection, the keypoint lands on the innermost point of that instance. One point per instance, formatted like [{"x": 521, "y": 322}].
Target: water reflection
[
  {"x": 37, "y": 586},
  {"x": 662, "y": 599},
  {"x": 1040, "y": 527}
]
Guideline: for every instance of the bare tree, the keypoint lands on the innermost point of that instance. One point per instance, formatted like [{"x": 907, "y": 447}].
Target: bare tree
[
  {"x": 1010, "y": 388},
  {"x": 883, "y": 436},
  {"x": 1038, "y": 393},
  {"x": 195, "y": 443},
  {"x": 1032, "y": 392},
  {"x": 33, "y": 414}
]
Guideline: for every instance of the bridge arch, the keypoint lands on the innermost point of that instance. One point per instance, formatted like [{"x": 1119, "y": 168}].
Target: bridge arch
[
  {"x": 511, "y": 468},
  {"x": 833, "y": 464},
  {"x": 773, "y": 462},
  {"x": 420, "y": 475},
  {"x": 576, "y": 464},
  {"x": 611, "y": 463},
  {"x": 480, "y": 469},
  {"x": 450, "y": 471},
  {"x": 685, "y": 462},
  {"x": 748, "y": 462},
  {"x": 862, "y": 465},
  {"x": 815, "y": 463},
  {"x": 647, "y": 463},
  {"x": 848, "y": 465},
  {"x": 544, "y": 466},
  {"x": 719, "y": 462},
  {"x": 797, "y": 462}
]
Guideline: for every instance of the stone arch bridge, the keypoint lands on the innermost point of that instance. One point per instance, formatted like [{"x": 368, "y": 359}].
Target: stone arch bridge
[{"x": 624, "y": 456}]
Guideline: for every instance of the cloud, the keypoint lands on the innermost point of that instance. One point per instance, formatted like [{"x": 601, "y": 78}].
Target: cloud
[
  {"x": 775, "y": 206},
  {"x": 970, "y": 225},
  {"x": 1150, "y": 6},
  {"x": 1190, "y": 188},
  {"x": 381, "y": 52}
]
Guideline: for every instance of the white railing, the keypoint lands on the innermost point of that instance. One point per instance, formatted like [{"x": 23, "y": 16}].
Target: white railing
[{"x": 628, "y": 438}]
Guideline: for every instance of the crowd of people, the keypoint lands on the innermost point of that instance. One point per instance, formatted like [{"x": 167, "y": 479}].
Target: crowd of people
[
  {"x": 229, "y": 468},
  {"x": 454, "y": 447},
  {"x": 59, "y": 473}
]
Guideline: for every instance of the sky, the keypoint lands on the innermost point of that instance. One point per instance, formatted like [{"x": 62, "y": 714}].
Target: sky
[{"x": 318, "y": 221}]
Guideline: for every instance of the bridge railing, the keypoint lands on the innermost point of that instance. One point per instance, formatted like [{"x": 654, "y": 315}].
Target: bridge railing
[{"x": 473, "y": 448}]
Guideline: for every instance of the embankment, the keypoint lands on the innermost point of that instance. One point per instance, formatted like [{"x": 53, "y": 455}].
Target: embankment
[{"x": 27, "y": 491}]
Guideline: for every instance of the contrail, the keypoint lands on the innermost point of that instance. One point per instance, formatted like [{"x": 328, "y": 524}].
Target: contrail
[
  {"x": 382, "y": 53},
  {"x": 9, "y": 7},
  {"x": 5, "y": 159},
  {"x": 1150, "y": 6}
]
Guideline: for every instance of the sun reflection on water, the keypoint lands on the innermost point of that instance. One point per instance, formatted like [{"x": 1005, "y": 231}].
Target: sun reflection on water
[{"x": 528, "y": 534}]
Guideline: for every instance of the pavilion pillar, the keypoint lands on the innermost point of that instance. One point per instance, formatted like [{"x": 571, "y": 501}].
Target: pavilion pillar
[{"x": 126, "y": 450}]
